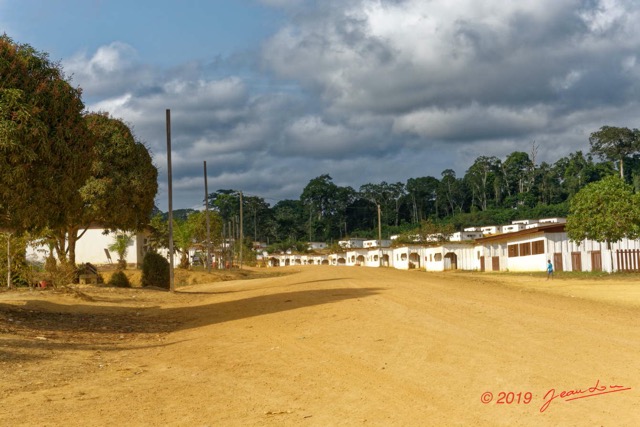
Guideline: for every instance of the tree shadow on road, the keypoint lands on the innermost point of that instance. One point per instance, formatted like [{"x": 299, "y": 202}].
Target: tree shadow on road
[{"x": 86, "y": 326}]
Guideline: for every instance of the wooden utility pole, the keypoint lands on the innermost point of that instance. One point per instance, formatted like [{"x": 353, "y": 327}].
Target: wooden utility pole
[
  {"x": 206, "y": 210},
  {"x": 379, "y": 234},
  {"x": 9, "y": 260},
  {"x": 379, "y": 226},
  {"x": 223, "y": 249},
  {"x": 241, "y": 230},
  {"x": 169, "y": 178}
]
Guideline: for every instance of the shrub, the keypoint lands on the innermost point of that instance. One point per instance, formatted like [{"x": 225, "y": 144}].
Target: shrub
[
  {"x": 60, "y": 274},
  {"x": 119, "y": 280},
  {"x": 155, "y": 271}
]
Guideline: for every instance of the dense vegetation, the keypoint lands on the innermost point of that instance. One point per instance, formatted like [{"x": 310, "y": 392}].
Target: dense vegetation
[
  {"x": 79, "y": 168},
  {"x": 492, "y": 191},
  {"x": 63, "y": 168}
]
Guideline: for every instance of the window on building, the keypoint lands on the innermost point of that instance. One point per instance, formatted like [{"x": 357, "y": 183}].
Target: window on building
[
  {"x": 525, "y": 249},
  {"x": 513, "y": 251},
  {"x": 537, "y": 247}
]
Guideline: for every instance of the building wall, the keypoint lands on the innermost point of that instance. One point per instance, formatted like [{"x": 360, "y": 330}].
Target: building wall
[
  {"x": 91, "y": 248},
  {"x": 373, "y": 258},
  {"x": 407, "y": 257},
  {"x": 439, "y": 258},
  {"x": 530, "y": 262}
]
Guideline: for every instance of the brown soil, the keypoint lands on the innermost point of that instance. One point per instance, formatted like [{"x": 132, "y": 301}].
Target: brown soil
[{"x": 324, "y": 346}]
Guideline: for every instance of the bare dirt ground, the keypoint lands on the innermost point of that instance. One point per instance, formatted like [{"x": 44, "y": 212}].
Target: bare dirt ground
[{"x": 325, "y": 346}]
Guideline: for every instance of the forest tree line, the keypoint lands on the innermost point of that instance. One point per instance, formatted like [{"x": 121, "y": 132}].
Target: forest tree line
[{"x": 491, "y": 191}]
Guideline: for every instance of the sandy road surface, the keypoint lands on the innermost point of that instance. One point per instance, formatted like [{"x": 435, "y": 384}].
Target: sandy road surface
[{"x": 326, "y": 346}]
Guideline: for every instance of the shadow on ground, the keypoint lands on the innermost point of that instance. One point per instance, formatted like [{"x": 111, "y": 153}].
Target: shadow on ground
[{"x": 52, "y": 325}]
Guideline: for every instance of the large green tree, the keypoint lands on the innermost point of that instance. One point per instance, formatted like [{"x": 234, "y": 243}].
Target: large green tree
[
  {"x": 325, "y": 204},
  {"x": 480, "y": 177},
  {"x": 288, "y": 216},
  {"x": 226, "y": 203},
  {"x": 45, "y": 151},
  {"x": 452, "y": 192},
  {"x": 615, "y": 144},
  {"x": 120, "y": 191},
  {"x": 423, "y": 198},
  {"x": 257, "y": 218},
  {"x": 604, "y": 211},
  {"x": 389, "y": 197}
]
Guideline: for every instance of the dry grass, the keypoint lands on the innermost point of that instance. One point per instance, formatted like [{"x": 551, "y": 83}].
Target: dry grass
[{"x": 195, "y": 277}]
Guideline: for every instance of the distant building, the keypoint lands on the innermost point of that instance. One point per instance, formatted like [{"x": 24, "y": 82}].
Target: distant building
[
  {"x": 353, "y": 242},
  {"x": 317, "y": 245},
  {"x": 376, "y": 243}
]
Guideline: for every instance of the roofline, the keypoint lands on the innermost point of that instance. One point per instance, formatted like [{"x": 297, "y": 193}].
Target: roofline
[{"x": 551, "y": 228}]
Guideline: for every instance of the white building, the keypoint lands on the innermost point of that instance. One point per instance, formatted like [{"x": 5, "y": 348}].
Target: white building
[
  {"x": 407, "y": 257},
  {"x": 376, "y": 243},
  {"x": 354, "y": 242},
  {"x": 93, "y": 247},
  {"x": 451, "y": 256},
  {"x": 317, "y": 245},
  {"x": 460, "y": 236},
  {"x": 531, "y": 248},
  {"x": 513, "y": 227},
  {"x": 491, "y": 229}
]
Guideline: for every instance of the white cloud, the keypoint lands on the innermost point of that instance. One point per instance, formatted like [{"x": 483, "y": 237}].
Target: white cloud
[
  {"x": 369, "y": 90},
  {"x": 606, "y": 15},
  {"x": 473, "y": 122},
  {"x": 390, "y": 56},
  {"x": 112, "y": 68}
]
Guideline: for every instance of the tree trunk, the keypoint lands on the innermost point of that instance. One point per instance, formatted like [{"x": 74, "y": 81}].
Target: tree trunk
[
  {"x": 61, "y": 246},
  {"x": 184, "y": 259},
  {"x": 610, "y": 255},
  {"x": 9, "y": 260},
  {"x": 72, "y": 237}
]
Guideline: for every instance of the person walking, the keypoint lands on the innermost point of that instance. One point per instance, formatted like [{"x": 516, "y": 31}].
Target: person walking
[{"x": 549, "y": 270}]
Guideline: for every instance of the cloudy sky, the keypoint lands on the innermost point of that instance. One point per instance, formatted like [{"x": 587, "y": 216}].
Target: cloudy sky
[{"x": 273, "y": 93}]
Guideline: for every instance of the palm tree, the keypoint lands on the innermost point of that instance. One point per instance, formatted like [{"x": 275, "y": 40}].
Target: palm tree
[{"x": 120, "y": 245}]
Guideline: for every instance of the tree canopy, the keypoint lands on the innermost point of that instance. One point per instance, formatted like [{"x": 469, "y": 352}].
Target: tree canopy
[
  {"x": 61, "y": 168},
  {"x": 46, "y": 151},
  {"x": 123, "y": 184},
  {"x": 615, "y": 144},
  {"x": 492, "y": 191},
  {"x": 604, "y": 211},
  {"x": 120, "y": 190}
]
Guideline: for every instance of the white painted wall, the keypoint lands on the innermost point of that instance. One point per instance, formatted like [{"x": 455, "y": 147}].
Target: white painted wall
[{"x": 91, "y": 248}]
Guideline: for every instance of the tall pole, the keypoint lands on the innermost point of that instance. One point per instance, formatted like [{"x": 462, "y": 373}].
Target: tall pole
[
  {"x": 241, "y": 232},
  {"x": 206, "y": 210},
  {"x": 169, "y": 178},
  {"x": 379, "y": 226},
  {"x": 223, "y": 249},
  {"x": 8, "y": 260}
]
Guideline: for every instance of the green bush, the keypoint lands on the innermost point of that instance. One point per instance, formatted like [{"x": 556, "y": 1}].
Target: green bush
[
  {"x": 119, "y": 280},
  {"x": 155, "y": 271}
]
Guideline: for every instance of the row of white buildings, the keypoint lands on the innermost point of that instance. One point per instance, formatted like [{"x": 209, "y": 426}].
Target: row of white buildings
[{"x": 520, "y": 246}]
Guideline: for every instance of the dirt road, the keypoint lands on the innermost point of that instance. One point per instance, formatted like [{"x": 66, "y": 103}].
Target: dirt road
[{"x": 326, "y": 346}]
